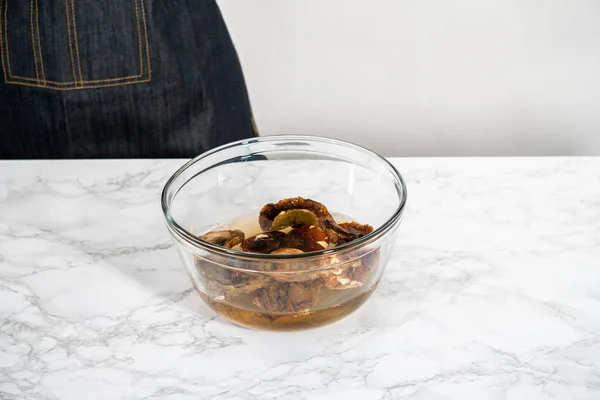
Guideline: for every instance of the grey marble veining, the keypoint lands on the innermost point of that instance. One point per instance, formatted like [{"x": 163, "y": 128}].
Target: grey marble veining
[{"x": 493, "y": 292}]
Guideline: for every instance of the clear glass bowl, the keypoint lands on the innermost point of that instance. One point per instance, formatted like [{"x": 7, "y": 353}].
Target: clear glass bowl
[{"x": 295, "y": 291}]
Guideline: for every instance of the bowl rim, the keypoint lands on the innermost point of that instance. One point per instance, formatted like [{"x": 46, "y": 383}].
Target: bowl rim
[{"x": 195, "y": 241}]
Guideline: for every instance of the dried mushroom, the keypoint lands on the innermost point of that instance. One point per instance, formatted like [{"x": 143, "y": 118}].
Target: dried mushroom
[
  {"x": 252, "y": 284},
  {"x": 340, "y": 278},
  {"x": 222, "y": 275},
  {"x": 287, "y": 250},
  {"x": 285, "y": 297},
  {"x": 313, "y": 229},
  {"x": 348, "y": 276},
  {"x": 356, "y": 229},
  {"x": 295, "y": 219},
  {"x": 305, "y": 238},
  {"x": 352, "y": 274},
  {"x": 344, "y": 232},
  {"x": 278, "y": 286},
  {"x": 227, "y": 238},
  {"x": 266, "y": 242},
  {"x": 270, "y": 211}
]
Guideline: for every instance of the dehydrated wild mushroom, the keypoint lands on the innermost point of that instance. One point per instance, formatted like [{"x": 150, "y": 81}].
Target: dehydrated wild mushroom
[
  {"x": 265, "y": 242},
  {"x": 356, "y": 229},
  {"x": 270, "y": 211},
  {"x": 350, "y": 275},
  {"x": 305, "y": 238},
  {"x": 286, "y": 297},
  {"x": 271, "y": 288},
  {"x": 344, "y": 232},
  {"x": 295, "y": 219},
  {"x": 287, "y": 250},
  {"x": 222, "y": 275},
  {"x": 337, "y": 233},
  {"x": 217, "y": 273},
  {"x": 227, "y": 238},
  {"x": 249, "y": 286},
  {"x": 344, "y": 277}
]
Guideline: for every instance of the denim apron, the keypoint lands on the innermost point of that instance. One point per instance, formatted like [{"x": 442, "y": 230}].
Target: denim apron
[{"x": 118, "y": 79}]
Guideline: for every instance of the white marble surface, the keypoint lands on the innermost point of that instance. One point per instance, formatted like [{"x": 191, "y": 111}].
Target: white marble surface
[{"x": 493, "y": 292}]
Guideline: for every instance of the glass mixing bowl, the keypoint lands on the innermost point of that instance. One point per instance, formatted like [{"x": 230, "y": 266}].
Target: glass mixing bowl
[{"x": 291, "y": 291}]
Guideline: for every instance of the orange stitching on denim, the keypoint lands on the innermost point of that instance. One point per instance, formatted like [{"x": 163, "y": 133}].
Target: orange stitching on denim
[
  {"x": 137, "y": 22},
  {"x": 6, "y": 39},
  {"x": 70, "y": 43},
  {"x": 79, "y": 87},
  {"x": 35, "y": 63},
  {"x": 2, "y": 44},
  {"x": 146, "y": 37},
  {"x": 76, "y": 40},
  {"x": 79, "y": 84},
  {"x": 73, "y": 82},
  {"x": 39, "y": 40}
]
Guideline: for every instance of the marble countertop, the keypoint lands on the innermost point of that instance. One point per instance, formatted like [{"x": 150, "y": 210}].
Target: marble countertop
[{"x": 492, "y": 292}]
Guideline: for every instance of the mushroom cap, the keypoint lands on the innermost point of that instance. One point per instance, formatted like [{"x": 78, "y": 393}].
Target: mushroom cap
[
  {"x": 305, "y": 238},
  {"x": 265, "y": 242},
  {"x": 294, "y": 218},
  {"x": 270, "y": 211},
  {"x": 226, "y": 238},
  {"x": 287, "y": 250}
]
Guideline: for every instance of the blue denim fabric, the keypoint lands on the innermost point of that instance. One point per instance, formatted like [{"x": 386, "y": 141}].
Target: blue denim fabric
[{"x": 118, "y": 78}]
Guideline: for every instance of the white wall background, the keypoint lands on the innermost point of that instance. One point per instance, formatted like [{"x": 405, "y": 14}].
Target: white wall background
[{"x": 426, "y": 77}]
